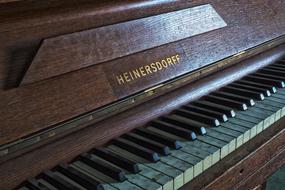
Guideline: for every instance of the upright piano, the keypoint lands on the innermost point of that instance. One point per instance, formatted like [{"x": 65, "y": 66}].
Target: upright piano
[{"x": 154, "y": 95}]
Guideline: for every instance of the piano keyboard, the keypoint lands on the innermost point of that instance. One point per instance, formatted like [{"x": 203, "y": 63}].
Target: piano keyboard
[{"x": 175, "y": 148}]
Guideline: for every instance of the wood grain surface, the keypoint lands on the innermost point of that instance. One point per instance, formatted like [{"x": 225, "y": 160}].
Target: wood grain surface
[
  {"x": 32, "y": 108},
  {"x": 90, "y": 47},
  {"x": 30, "y": 28},
  {"x": 24, "y": 25},
  {"x": 53, "y": 101},
  {"x": 63, "y": 149},
  {"x": 8, "y": 1}
]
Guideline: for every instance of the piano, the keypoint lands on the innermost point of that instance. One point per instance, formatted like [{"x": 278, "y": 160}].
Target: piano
[{"x": 153, "y": 95}]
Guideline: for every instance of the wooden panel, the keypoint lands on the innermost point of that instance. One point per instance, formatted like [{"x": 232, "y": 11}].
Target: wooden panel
[
  {"x": 140, "y": 71},
  {"x": 52, "y": 59},
  {"x": 53, "y": 101},
  {"x": 65, "y": 148},
  {"x": 249, "y": 23},
  {"x": 263, "y": 173},
  {"x": 278, "y": 17},
  {"x": 25, "y": 24},
  {"x": 40, "y": 112},
  {"x": 32, "y": 108},
  {"x": 8, "y": 1},
  {"x": 82, "y": 49}
]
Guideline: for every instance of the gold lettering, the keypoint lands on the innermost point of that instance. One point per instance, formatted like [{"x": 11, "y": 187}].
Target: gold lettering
[
  {"x": 153, "y": 66},
  {"x": 126, "y": 76},
  {"x": 174, "y": 59},
  {"x": 169, "y": 61},
  {"x": 120, "y": 79},
  {"x": 142, "y": 71},
  {"x": 130, "y": 73},
  {"x": 164, "y": 63},
  {"x": 147, "y": 68},
  {"x": 158, "y": 65},
  {"x": 136, "y": 73},
  {"x": 178, "y": 58}
]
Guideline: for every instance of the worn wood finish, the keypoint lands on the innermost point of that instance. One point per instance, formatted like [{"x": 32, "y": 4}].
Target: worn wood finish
[
  {"x": 38, "y": 106},
  {"x": 8, "y": 1},
  {"x": 86, "y": 93},
  {"x": 49, "y": 62},
  {"x": 32, "y": 108},
  {"x": 249, "y": 165},
  {"x": 90, "y": 47},
  {"x": 64, "y": 149},
  {"x": 25, "y": 24},
  {"x": 52, "y": 102},
  {"x": 263, "y": 173}
]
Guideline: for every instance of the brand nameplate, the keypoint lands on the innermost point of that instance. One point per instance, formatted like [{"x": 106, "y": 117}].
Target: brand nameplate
[{"x": 145, "y": 69}]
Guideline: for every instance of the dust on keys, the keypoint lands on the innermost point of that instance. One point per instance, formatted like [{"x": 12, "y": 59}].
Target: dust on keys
[{"x": 173, "y": 149}]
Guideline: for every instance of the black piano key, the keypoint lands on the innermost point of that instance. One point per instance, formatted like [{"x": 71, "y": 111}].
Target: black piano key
[
  {"x": 117, "y": 160},
  {"x": 280, "y": 62},
  {"x": 276, "y": 67},
  {"x": 173, "y": 143},
  {"x": 227, "y": 102},
  {"x": 137, "y": 149},
  {"x": 103, "y": 167},
  {"x": 272, "y": 89},
  {"x": 198, "y": 117},
  {"x": 263, "y": 80},
  {"x": 242, "y": 92},
  {"x": 270, "y": 76},
  {"x": 218, "y": 115},
  {"x": 214, "y": 107},
  {"x": 247, "y": 101},
  {"x": 265, "y": 92},
  {"x": 150, "y": 144},
  {"x": 273, "y": 72},
  {"x": 33, "y": 184},
  {"x": 173, "y": 129},
  {"x": 58, "y": 181},
  {"x": 281, "y": 68},
  {"x": 79, "y": 177},
  {"x": 179, "y": 122}
]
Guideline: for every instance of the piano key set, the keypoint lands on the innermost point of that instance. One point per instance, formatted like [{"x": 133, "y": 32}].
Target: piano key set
[{"x": 173, "y": 149}]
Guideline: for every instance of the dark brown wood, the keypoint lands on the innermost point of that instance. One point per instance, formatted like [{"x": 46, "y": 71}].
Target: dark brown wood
[
  {"x": 52, "y": 102},
  {"x": 25, "y": 24},
  {"x": 263, "y": 173},
  {"x": 53, "y": 59},
  {"x": 260, "y": 187},
  {"x": 36, "y": 99},
  {"x": 87, "y": 89},
  {"x": 94, "y": 46},
  {"x": 248, "y": 166},
  {"x": 59, "y": 91},
  {"x": 8, "y": 1},
  {"x": 65, "y": 148}
]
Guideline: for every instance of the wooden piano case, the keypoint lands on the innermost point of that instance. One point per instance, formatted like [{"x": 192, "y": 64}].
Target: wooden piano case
[{"x": 65, "y": 77}]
